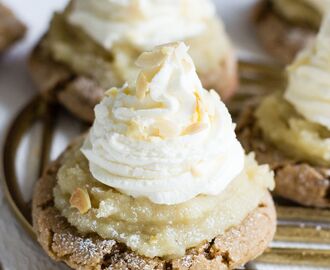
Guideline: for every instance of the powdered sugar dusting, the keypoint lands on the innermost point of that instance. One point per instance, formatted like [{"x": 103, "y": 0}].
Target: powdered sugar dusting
[{"x": 81, "y": 249}]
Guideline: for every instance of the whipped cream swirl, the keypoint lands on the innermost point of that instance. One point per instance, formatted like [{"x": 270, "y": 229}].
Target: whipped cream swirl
[
  {"x": 141, "y": 23},
  {"x": 309, "y": 79},
  {"x": 166, "y": 138}
]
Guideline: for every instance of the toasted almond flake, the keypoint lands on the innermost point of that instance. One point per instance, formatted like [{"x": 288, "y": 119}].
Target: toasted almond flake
[
  {"x": 151, "y": 72},
  {"x": 195, "y": 171},
  {"x": 195, "y": 128},
  {"x": 150, "y": 59},
  {"x": 155, "y": 132},
  {"x": 135, "y": 131},
  {"x": 111, "y": 92},
  {"x": 141, "y": 86},
  {"x": 80, "y": 200},
  {"x": 127, "y": 91},
  {"x": 195, "y": 117},
  {"x": 166, "y": 50},
  {"x": 199, "y": 110},
  {"x": 167, "y": 129}
]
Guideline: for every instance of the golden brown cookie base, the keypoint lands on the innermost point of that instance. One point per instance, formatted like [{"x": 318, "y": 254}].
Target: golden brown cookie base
[
  {"x": 79, "y": 94},
  {"x": 280, "y": 38},
  {"x": 297, "y": 181},
  {"x": 62, "y": 242},
  {"x": 56, "y": 81},
  {"x": 11, "y": 29}
]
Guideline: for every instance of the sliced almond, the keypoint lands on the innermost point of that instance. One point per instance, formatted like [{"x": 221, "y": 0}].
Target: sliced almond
[
  {"x": 141, "y": 86},
  {"x": 151, "y": 72},
  {"x": 111, "y": 92},
  {"x": 199, "y": 110},
  {"x": 135, "y": 131},
  {"x": 150, "y": 59},
  {"x": 80, "y": 200},
  {"x": 168, "y": 48},
  {"x": 195, "y": 128},
  {"x": 199, "y": 107},
  {"x": 195, "y": 171},
  {"x": 127, "y": 91},
  {"x": 167, "y": 129}
]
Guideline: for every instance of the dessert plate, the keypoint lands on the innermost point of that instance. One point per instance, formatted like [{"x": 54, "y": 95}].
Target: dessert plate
[{"x": 42, "y": 130}]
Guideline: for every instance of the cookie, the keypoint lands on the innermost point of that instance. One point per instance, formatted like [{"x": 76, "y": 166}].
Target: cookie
[
  {"x": 79, "y": 94},
  {"x": 11, "y": 28},
  {"x": 68, "y": 65},
  {"x": 62, "y": 242},
  {"x": 281, "y": 38},
  {"x": 297, "y": 181}
]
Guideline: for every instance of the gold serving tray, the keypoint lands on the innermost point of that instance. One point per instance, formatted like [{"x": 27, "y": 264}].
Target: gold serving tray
[{"x": 303, "y": 234}]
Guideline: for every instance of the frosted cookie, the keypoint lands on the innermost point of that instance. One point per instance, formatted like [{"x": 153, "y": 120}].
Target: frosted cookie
[
  {"x": 159, "y": 182},
  {"x": 92, "y": 46},
  {"x": 291, "y": 130}
]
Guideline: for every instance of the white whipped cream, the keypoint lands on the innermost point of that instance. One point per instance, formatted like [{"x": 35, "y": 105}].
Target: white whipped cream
[
  {"x": 309, "y": 79},
  {"x": 141, "y": 23},
  {"x": 166, "y": 138}
]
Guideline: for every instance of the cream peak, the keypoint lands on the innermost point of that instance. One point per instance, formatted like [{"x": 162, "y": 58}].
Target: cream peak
[{"x": 165, "y": 138}]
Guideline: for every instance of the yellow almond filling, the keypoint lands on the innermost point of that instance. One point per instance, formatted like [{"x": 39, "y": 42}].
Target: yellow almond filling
[
  {"x": 152, "y": 229},
  {"x": 291, "y": 133}
]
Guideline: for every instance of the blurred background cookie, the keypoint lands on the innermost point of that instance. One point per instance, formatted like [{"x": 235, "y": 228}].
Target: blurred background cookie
[
  {"x": 290, "y": 129},
  {"x": 91, "y": 47},
  {"x": 286, "y": 26},
  {"x": 11, "y": 29}
]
